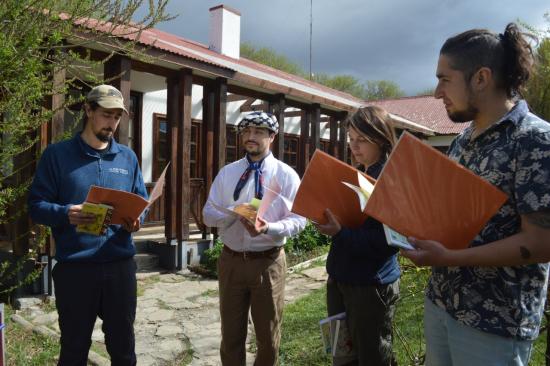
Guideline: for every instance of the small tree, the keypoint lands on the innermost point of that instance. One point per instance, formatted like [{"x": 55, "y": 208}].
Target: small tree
[
  {"x": 38, "y": 38},
  {"x": 382, "y": 89}
]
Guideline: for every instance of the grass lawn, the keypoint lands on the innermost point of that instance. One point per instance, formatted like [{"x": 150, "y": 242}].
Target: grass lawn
[
  {"x": 24, "y": 347},
  {"x": 301, "y": 340}
]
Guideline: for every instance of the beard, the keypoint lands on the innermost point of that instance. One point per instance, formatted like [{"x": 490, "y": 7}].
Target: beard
[
  {"x": 253, "y": 150},
  {"x": 104, "y": 135},
  {"x": 466, "y": 115}
]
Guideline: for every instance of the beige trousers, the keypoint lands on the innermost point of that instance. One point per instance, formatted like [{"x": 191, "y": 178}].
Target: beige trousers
[{"x": 257, "y": 285}]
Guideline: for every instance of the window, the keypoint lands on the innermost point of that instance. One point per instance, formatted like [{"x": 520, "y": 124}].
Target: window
[
  {"x": 194, "y": 162},
  {"x": 232, "y": 142},
  {"x": 324, "y": 145},
  {"x": 292, "y": 148},
  {"x": 161, "y": 146}
]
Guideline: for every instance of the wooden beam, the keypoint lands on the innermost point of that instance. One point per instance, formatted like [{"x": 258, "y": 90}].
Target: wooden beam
[
  {"x": 315, "y": 127},
  {"x": 171, "y": 185},
  {"x": 303, "y": 158},
  {"x": 207, "y": 163},
  {"x": 236, "y": 89},
  {"x": 137, "y": 125},
  {"x": 119, "y": 68},
  {"x": 236, "y": 98},
  {"x": 333, "y": 129},
  {"x": 262, "y": 107},
  {"x": 343, "y": 139},
  {"x": 279, "y": 112},
  {"x": 183, "y": 198},
  {"x": 247, "y": 104},
  {"x": 220, "y": 112}
]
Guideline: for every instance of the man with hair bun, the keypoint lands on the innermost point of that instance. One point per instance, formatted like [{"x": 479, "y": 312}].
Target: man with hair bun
[{"x": 484, "y": 304}]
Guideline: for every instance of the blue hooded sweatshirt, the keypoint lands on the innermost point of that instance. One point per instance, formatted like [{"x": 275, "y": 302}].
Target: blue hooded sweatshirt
[{"x": 63, "y": 178}]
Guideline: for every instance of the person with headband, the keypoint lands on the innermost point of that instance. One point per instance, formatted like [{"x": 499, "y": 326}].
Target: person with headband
[
  {"x": 363, "y": 270},
  {"x": 484, "y": 304},
  {"x": 252, "y": 266}
]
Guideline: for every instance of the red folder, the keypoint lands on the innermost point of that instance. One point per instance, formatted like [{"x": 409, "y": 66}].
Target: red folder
[
  {"x": 322, "y": 188},
  {"x": 424, "y": 194}
]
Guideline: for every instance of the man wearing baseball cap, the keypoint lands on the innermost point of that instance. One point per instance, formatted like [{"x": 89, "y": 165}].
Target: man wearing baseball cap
[
  {"x": 95, "y": 275},
  {"x": 252, "y": 266}
]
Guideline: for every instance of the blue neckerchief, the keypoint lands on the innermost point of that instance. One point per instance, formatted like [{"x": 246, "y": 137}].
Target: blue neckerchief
[{"x": 256, "y": 167}]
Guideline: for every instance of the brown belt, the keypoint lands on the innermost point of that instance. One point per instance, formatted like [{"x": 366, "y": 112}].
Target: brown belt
[{"x": 252, "y": 255}]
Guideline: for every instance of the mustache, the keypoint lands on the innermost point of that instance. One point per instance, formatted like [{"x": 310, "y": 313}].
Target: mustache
[{"x": 254, "y": 142}]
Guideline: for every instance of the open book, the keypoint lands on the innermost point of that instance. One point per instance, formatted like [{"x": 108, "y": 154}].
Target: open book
[
  {"x": 248, "y": 211},
  {"x": 125, "y": 204},
  {"x": 336, "y": 337},
  {"x": 257, "y": 208},
  {"x": 102, "y": 213},
  {"x": 364, "y": 190}
]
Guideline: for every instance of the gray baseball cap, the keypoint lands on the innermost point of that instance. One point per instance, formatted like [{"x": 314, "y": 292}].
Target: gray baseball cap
[{"x": 106, "y": 96}]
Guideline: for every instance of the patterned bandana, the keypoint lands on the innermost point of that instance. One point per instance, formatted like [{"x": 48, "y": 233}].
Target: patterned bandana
[
  {"x": 259, "y": 119},
  {"x": 256, "y": 167}
]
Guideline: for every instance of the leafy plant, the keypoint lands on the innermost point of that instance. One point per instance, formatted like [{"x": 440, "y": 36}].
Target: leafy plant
[
  {"x": 307, "y": 240},
  {"x": 210, "y": 257}
]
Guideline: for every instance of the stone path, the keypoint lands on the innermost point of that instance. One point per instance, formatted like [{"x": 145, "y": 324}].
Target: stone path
[{"x": 177, "y": 312}]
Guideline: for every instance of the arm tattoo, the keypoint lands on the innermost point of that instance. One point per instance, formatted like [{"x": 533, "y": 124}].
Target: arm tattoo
[
  {"x": 525, "y": 253},
  {"x": 540, "y": 219}
]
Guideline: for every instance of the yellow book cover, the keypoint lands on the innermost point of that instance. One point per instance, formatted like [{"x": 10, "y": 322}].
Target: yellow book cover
[{"x": 102, "y": 214}]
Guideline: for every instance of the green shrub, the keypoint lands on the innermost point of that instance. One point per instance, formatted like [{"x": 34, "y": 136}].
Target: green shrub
[
  {"x": 209, "y": 259},
  {"x": 309, "y": 239}
]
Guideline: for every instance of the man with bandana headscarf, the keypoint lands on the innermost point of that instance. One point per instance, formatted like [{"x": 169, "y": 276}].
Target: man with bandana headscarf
[{"x": 252, "y": 266}]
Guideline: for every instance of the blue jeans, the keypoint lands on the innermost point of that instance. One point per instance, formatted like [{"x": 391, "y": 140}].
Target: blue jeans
[{"x": 450, "y": 343}]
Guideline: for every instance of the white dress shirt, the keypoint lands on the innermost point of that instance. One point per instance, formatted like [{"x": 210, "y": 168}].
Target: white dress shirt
[{"x": 281, "y": 222}]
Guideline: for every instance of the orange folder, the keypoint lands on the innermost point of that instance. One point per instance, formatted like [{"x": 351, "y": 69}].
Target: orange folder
[
  {"x": 424, "y": 194},
  {"x": 322, "y": 188},
  {"x": 125, "y": 204}
]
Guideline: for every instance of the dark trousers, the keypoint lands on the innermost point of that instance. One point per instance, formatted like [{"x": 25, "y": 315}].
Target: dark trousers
[
  {"x": 369, "y": 311},
  {"x": 85, "y": 291}
]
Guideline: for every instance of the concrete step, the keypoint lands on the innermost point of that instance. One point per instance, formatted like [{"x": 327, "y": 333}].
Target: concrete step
[{"x": 146, "y": 261}]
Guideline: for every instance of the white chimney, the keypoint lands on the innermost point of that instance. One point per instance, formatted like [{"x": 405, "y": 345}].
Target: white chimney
[{"x": 225, "y": 31}]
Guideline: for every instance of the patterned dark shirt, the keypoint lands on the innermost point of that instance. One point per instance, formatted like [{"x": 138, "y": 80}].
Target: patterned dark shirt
[{"x": 514, "y": 155}]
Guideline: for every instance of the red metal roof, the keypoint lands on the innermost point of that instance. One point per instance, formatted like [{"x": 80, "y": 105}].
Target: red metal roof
[
  {"x": 180, "y": 46},
  {"x": 424, "y": 110}
]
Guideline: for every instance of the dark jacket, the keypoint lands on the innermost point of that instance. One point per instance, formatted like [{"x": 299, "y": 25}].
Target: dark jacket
[
  {"x": 362, "y": 256},
  {"x": 63, "y": 177}
]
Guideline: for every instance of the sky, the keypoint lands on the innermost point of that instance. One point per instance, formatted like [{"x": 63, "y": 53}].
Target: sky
[{"x": 397, "y": 40}]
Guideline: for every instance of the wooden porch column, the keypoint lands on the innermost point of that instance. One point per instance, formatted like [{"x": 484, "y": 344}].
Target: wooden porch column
[
  {"x": 303, "y": 157},
  {"x": 183, "y": 196},
  {"x": 208, "y": 100},
  {"x": 119, "y": 67},
  {"x": 333, "y": 126},
  {"x": 315, "y": 128},
  {"x": 343, "y": 139},
  {"x": 279, "y": 112},
  {"x": 220, "y": 111},
  {"x": 171, "y": 184}
]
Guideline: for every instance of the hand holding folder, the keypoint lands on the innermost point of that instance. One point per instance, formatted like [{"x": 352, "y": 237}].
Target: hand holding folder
[
  {"x": 126, "y": 205},
  {"x": 322, "y": 188},
  {"x": 420, "y": 193},
  {"x": 424, "y": 194}
]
